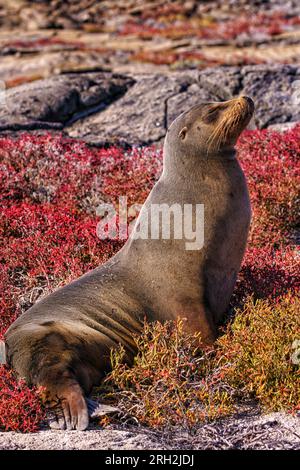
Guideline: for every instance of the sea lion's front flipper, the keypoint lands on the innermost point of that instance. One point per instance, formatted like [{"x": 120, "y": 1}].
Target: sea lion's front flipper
[
  {"x": 3, "y": 359},
  {"x": 56, "y": 420},
  {"x": 96, "y": 409},
  {"x": 60, "y": 417},
  {"x": 67, "y": 407}
]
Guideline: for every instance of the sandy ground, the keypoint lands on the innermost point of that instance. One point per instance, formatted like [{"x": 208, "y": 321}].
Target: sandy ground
[{"x": 253, "y": 431}]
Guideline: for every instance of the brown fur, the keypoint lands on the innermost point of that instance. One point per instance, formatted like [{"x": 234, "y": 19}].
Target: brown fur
[{"x": 63, "y": 342}]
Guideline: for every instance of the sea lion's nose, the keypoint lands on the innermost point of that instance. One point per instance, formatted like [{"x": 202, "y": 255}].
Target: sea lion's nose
[{"x": 249, "y": 100}]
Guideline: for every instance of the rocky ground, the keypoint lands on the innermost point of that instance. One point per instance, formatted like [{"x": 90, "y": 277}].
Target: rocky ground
[
  {"x": 119, "y": 72},
  {"x": 74, "y": 66},
  {"x": 276, "y": 431},
  {"x": 85, "y": 105},
  {"x": 129, "y": 36}
]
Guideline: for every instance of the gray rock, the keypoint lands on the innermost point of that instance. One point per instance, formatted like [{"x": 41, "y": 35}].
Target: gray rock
[
  {"x": 105, "y": 108},
  {"x": 275, "y": 91},
  {"x": 53, "y": 102},
  {"x": 148, "y": 108},
  {"x": 222, "y": 82},
  {"x": 282, "y": 127},
  {"x": 273, "y": 88},
  {"x": 141, "y": 115},
  {"x": 180, "y": 102}
]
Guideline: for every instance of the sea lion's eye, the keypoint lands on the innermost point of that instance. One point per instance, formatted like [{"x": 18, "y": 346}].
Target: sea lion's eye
[
  {"x": 182, "y": 133},
  {"x": 211, "y": 116}
]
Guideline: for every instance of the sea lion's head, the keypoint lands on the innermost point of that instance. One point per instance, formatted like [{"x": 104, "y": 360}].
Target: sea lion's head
[{"x": 210, "y": 128}]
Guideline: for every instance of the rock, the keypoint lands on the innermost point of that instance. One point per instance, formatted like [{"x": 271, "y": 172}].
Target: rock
[
  {"x": 28, "y": 67},
  {"x": 223, "y": 82},
  {"x": 283, "y": 127},
  {"x": 141, "y": 115},
  {"x": 270, "y": 86},
  {"x": 272, "y": 89},
  {"x": 53, "y": 102},
  {"x": 148, "y": 108},
  {"x": 95, "y": 15},
  {"x": 180, "y": 102},
  {"x": 104, "y": 108}
]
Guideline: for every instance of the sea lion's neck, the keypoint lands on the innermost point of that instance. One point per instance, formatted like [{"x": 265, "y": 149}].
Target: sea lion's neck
[{"x": 182, "y": 165}]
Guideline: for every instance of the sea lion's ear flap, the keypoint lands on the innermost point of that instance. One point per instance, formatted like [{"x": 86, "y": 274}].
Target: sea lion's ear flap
[{"x": 182, "y": 133}]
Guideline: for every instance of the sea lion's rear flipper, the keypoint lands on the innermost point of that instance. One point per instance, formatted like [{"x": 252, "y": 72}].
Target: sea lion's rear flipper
[
  {"x": 96, "y": 409},
  {"x": 3, "y": 359}
]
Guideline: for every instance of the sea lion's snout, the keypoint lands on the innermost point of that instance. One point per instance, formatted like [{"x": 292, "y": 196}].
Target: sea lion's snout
[
  {"x": 234, "y": 116},
  {"x": 247, "y": 103},
  {"x": 248, "y": 100},
  {"x": 242, "y": 105}
]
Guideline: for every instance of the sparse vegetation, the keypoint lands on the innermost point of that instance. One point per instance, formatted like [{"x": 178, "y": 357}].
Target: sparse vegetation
[
  {"x": 175, "y": 381},
  {"x": 256, "y": 351},
  {"x": 50, "y": 189}
]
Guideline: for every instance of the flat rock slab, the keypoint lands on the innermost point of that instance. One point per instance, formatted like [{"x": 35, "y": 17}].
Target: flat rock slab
[
  {"x": 273, "y": 431},
  {"x": 275, "y": 90},
  {"x": 45, "y": 53},
  {"x": 105, "y": 108},
  {"x": 140, "y": 116},
  {"x": 53, "y": 102},
  {"x": 150, "y": 105}
]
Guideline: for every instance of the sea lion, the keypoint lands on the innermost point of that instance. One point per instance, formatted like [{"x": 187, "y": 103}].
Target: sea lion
[{"x": 63, "y": 342}]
